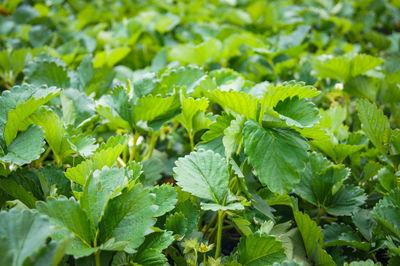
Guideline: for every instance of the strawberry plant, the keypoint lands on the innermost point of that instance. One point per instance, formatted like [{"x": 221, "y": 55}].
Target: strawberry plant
[{"x": 240, "y": 132}]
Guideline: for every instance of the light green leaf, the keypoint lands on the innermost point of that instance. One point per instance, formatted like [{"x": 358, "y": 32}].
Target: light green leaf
[
  {"x": 278, "y": 155},
  {"x": 217, "y": 128},
  {"x": 313, "y": 240},
  {"x": 237, "y": 102},
  {"x": 176, "y": 223},
  {"x": 17, "y": 116},
  {"x": 344, "y": 67},
  {"x": 110, "y": 57},
  {"x": 26, "y": 148},
  {"x": 297, "y": 112},
  {"x": 69, "y": 215},
  {"x": 260, "y": 249},
  {"x": 105, "y": 156},
  {"x": 275, "y": 94},
  {"x": 47, "y": 70},
  {"x": 128, "y": 217},
  {"x": 233, "y": 135},
  {"x": 98, "y": 189},
  {"x": 195, "y": 54},
  {"x": 190, "y": 109},
  {"x": 203, "y": 174},
  {"x": 54, "y": 131},
  {"x": 23, "y": 234},
  {"x": 374, "y": 123},
  {"x": 165, "y": 199}
]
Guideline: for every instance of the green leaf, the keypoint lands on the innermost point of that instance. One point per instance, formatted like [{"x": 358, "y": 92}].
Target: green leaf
[
  {"x": 55, "y": 176},
  {"x": 233, "y": 135},
  {"x": 23, "y": 234},
  {"x": 297, "y": 112},
  {"x": 116, "y": 108},
  {"x": 165, "y": 199},
  {"x": 188, "y": 77},
  {"x": 128, "y": 217},
  {"x": 47, "y": 70},
  {"x": 17, "y": 191},
  {"x": 260, "y": 249},
  {"x": 387, "y": 213},
  {"x": 193, "y": 113},
  {"x": 67, "y": 214},
  {"x": 344, "y": 67},
  {"x": 275, "y": 94},
  {"x": 176, "y": 223},
  {"x": 203, "y": 174},
  {"x": 54, "y": 131},
  {"x": 167, "y": 108},
  {"x": 235, "y": 206},
  {"x": 152, "y": 169},
  {"x": 17, "y": 114},
  {"x": 195, "y": 54},
  {"x": 278, "y": 155},
  {"x": 106, "y": 155},
  {"x": 217, "y": 128},
  {"x": 157, "y": 241},
  {"x": 26, "y": 148},
  {"x": 321, "y": 185},
  {"x": 343, "y": 235},
  {"x": 12, "y": 63},
  {"x": 313, "y": 240},
  {"x": 191, "y": 213},
  {"x": 374, "y": 123},
  {"x": 237, "y": 102},
  {"x": 98, "y": 190}
]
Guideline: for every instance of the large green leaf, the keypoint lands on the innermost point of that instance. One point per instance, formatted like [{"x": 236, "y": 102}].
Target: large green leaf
[
  {"x": 67, "y": 214},
  {"x": 98, "y": 189},
  {"x": 237, "y": 102},
  {"x": 21, "y": 103},
  {"x": 313, "y": 240},
  {"x": 203, "y": 174},
  {"x": 387, "y": 213},
  {"x": 47, "y": 70},
  {"x": 321, "y": 185},
  {"x": 26, "y": 147},
  {"x": 23, "y": 234},
  {"x": 297, "y": 112},
  {"x": 128, "y": 217},
  {"x": 260, "y": 249},
  {"x": 374, "y": 123},
  {"x": 278, "y": 155},
  {"x": 54, "y": 132}
]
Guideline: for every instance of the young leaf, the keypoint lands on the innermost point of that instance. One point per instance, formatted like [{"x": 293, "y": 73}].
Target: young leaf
[
  {"x": 237, "y": 102},
  {"x": 312, "y": 239},
  {"x": 260, "y": 249},
  {"x": 67, "y": 214},
  {"x": 165, "y": 199},
  {"x": 374, "y": 123},
  {"x": 98, "y": 189},
  {"x": 26, "y": 148},
  {"x": 297, "y": 112},
  {"x": 278, "y": 155},
  {"x": 128, "y": 217},
  {"x": 203, "y": 174}
]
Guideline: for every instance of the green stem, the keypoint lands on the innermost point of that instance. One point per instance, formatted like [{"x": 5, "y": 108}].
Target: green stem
[
  {"x": 191, "y": 141},
  {"x": 219, "y": 233},
  {"x": 204, "y": 259},
  {"x": 133, "y": 151},
  {"x": 97, "y": 258}
]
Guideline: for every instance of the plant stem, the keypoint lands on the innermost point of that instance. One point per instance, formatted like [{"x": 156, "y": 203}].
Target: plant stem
[
  {"x": 219, "y": 233},
  {"x": 97, "y": 258},
  {"x": 132, "y": 155},
  {"x": 191, "y": 141},
  {"x": 204, "y": 259}
]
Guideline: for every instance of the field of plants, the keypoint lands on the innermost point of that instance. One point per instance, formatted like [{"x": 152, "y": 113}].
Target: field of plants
[{"x": 200, "y": 132}]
